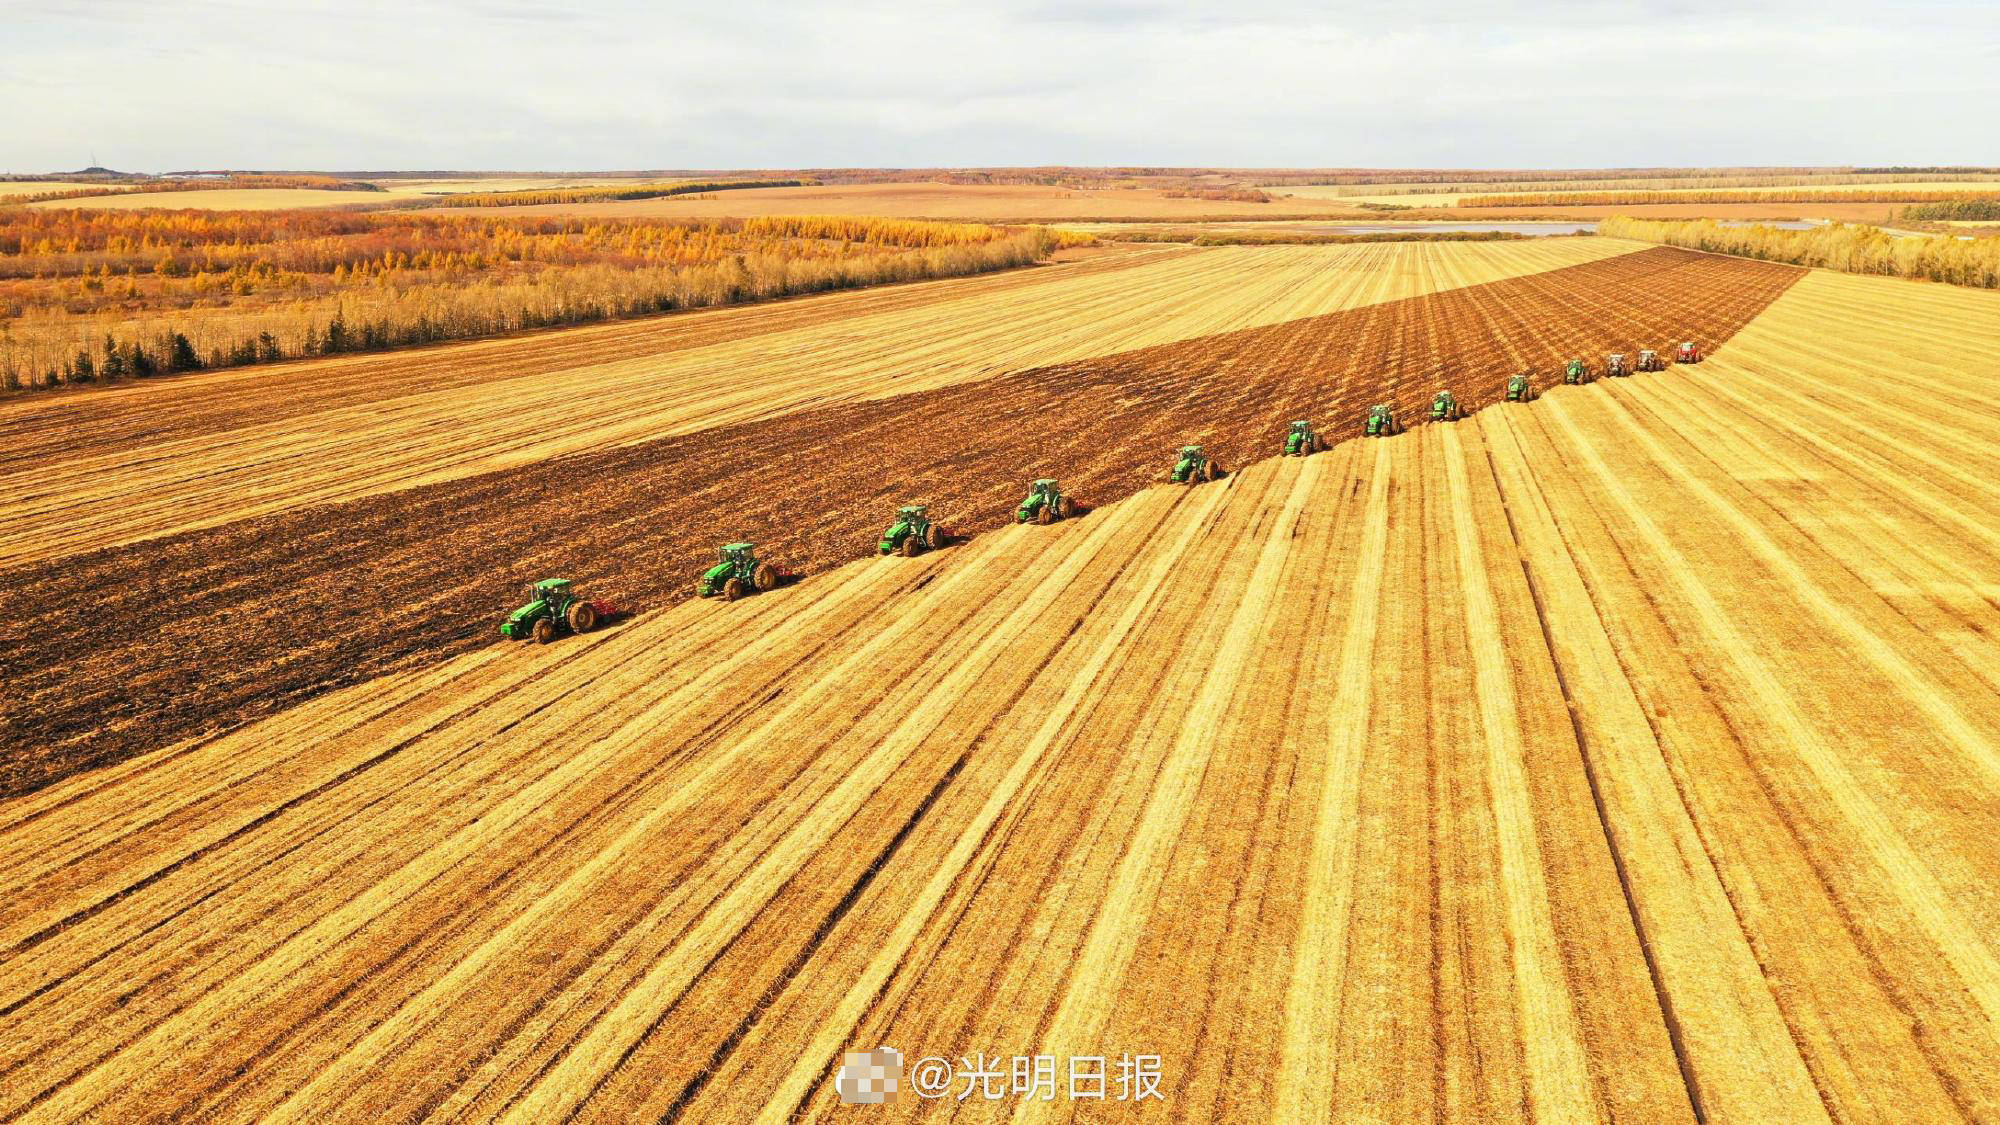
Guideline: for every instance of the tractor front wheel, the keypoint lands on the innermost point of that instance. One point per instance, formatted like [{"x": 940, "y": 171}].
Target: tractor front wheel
[
  {"x": 733, "y": 589},
  {"x": 1045, "y": 514},
  {"x": 765, "y": 577},
  {"x": 545, "y": 631},
  {"x": 908, "y": 547},
  {"x": 582, "y": 617}
]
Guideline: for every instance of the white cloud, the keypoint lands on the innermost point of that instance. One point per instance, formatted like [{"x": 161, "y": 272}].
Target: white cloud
[{"x": 525, "y": 84}]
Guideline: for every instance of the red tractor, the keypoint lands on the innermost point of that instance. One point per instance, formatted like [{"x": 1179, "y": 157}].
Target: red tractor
[{"x": 1689, "y": 352}]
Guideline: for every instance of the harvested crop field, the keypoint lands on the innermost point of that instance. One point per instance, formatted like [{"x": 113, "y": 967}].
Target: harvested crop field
[
  {"x": 974, "y": 202},
  {"x": 1627, "y": 753},
  {"x": 321, "y": 596},
  {"x": 1846, "y": 212},
  {"x": 97, "y": 469}
]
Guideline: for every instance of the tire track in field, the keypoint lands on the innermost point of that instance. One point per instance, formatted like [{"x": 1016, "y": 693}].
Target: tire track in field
[
  {"x": 288, "y": 607},
  {"x": 1900, "y": 864},
  {"x": 1730, "y": 1038},
  {"x": 1558, "y": 1075},
  {"x": 1107, "y": 952},
  {"x": 1305, "y": 1085},
  {"x": 975, "y": 848},
  {"x": 1781, "y": 871}
]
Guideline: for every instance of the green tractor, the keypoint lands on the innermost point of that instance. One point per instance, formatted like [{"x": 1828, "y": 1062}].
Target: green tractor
[
  {"x": 1445, "y": 408},
  {"x": 1381, "y": 421},
  {"x": 1519, "y": 389},
  {"x": 1045, "y": 504},
  {"x": 1194, "y": 466},
  {"x": 1577, "y": 372},
  {"x": 738, "y": 573},
  {"x": 912, "y": 533},
  {"x": 1302, "y": 440},
  {"x": 553, "y": 608}
]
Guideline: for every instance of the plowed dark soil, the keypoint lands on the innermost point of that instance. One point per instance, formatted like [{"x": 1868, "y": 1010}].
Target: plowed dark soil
[{"x": 129, "y": 649}]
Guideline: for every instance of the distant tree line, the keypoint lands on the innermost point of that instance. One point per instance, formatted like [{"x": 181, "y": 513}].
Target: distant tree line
[
  {"x": 1964, "y": 210},
  {"x": 374, "y": 310},
  {"x": 1850, "y": 247}
]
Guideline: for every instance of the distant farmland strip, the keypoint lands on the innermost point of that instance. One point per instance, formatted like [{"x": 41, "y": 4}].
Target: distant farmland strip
[
  {"x": 530, "y": 197},
  {"x": 1854, "y": 248},
  {"x": 1616, "y": 198}
]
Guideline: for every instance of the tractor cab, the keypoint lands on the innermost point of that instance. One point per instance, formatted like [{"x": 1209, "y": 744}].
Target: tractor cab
[
  {"x": 1688, "y": 353},
  {"x": 1576, "y": 370},
  {"x": 1614, "y": 364},
  {"x": 1517, "y": 388},
  {"x": 1649, "y": 360},
  {"x": 912, "y": 532},
  {"x": 1444, "y": 407},
  {"x": 737, "y": 573},
  {"x": 1193, "y": 466},
  {"x": 553, "y": 607},
  {"x": 738, "y": 560},
  {"x": 1301, "y": 439},
  {"x": 1045, "y": 503},
  {"x": 1381, "y": 421},
  {"x": 546, "y": 599}
]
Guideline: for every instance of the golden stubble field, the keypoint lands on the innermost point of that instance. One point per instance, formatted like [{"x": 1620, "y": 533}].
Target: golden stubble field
[{"x": 1628, "y": 753}]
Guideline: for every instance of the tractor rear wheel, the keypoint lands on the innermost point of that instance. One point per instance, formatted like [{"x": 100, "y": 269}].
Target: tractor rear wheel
[
  {"x": 1065, "y": 509},
  {"x": 582, "y": 617},
  {"x": 764, "y": 577},
  {"x": 934, "y": 537},
  {"x": 545, "y": 631},
  {"x": 908, "y": 547},
  {"x": 733, "y": 589}
]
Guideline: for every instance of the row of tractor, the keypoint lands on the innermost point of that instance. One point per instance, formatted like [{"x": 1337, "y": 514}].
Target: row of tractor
[{"x": 553, "y": 608}]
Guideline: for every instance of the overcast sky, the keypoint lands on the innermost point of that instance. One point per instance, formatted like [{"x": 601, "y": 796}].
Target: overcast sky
[{"x": 521, "y": 84}]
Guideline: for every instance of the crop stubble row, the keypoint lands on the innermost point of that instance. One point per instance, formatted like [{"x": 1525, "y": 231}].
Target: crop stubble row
[
  {"x": 678, "y": 867},
  {"x": 298, "y": 603}
]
